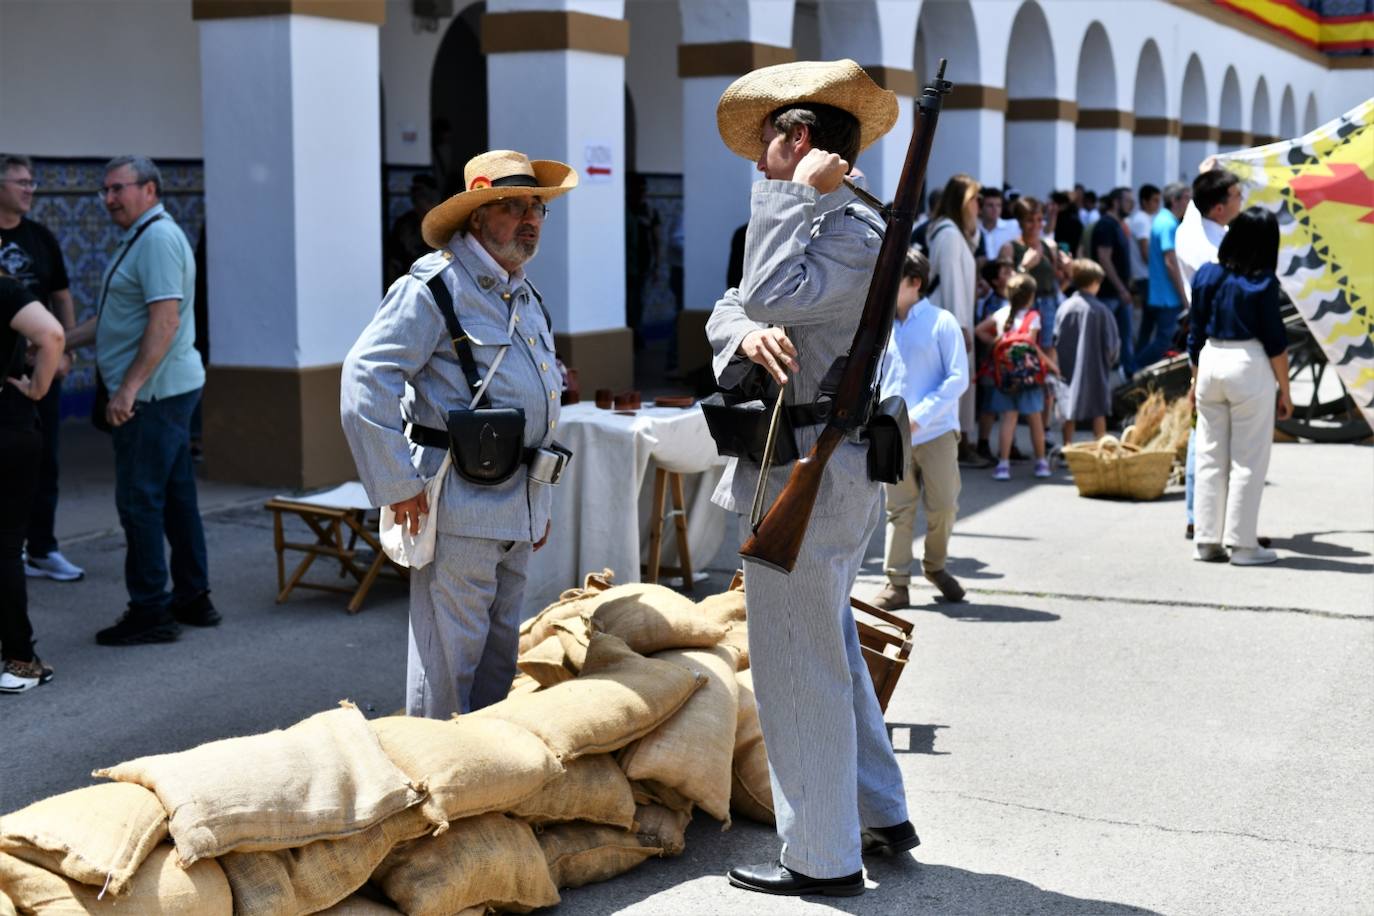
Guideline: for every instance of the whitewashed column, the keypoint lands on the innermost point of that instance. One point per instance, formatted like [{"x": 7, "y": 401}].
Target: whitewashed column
[
  {"x": 293, "y": 229},
  {"x": 1196, "y": 143},
  {"x": 722, "y": 40},
  {"x": 1156, "y": 148},
  {"x": 1040, "y": 145},
  {"x": 1102, "y": 146},
  {"x": 555, "y": 90}
]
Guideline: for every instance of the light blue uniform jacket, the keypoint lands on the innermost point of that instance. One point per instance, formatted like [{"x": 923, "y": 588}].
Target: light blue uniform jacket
[
  {"x": 403, "y": 368},
  {"x": 808, "y": 260}
]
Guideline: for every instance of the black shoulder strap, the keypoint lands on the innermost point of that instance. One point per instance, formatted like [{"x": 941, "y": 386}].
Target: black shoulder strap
[
  {"x": 548, "y": 320},
  {"x": 444, "y": 300},
  {"x": 105, "y": 290}
]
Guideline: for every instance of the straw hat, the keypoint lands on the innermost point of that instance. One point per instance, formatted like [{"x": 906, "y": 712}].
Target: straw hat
[
  {"x": 840, "y": 83},
  {"x": 495, "y": 176}
]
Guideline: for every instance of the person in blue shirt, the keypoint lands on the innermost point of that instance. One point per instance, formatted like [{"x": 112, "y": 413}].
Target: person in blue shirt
[
  {"x": 926, "y": 363},
  {"x": 1167, "y": 296},
  {"x": 1238, "y": 349}
]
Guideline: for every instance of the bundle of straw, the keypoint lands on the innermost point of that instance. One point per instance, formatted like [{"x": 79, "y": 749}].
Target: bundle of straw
[{"x": 1147, "y": 420}]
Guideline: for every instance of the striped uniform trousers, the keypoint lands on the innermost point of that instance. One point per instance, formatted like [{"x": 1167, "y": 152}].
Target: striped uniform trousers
[{"x": 829, "y": 756}]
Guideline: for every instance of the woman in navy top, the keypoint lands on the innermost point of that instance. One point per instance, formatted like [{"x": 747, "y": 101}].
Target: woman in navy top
[{"x": 1238, "y": 349}]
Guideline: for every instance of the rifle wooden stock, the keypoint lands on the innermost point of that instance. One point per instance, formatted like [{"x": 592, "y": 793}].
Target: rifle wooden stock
[{"x": 777, "y": 539}]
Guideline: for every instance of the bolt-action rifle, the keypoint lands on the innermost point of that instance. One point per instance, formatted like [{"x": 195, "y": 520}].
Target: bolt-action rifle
[{"x": 778, "y": 537}]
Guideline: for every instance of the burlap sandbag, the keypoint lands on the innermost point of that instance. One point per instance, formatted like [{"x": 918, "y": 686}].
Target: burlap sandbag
[
  {"x": 619, "y": 697},
  {"x": 292, "y": 882},
  {"x": 751, "y": 793},
  {"x": 358, "y": 905},
  {"x": 651, "y": 618},
  {"x": 726, "y": 608},
  {"x": 691, "y": 752},
  {"x": 544, "y": 663},
  {"x": 593, "y": 789},
  {"x": 490, "y": 860},
  {"x": 7, "y": 905},
  {"x": 569, "y": 604},
  {"x": 92, "y": 835},
  {"x": 737, "y": 638},
  {"x": 321, "y": 778},
  {"x": 580, "y": 854},
  {"x": 469, "y": 766},
  {"x": 523, "y": 684},
  {"x": 160, "y": 887},
  {"x": 574, "y": 635},
  {"x": 662, "y": 827}
]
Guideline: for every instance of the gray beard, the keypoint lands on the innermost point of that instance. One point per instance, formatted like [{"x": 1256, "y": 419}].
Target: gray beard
[{"x": 515, "y": 251}]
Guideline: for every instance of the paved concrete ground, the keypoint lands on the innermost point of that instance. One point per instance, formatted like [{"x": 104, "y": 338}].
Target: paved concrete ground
[{"x": 1105, "y": 727}]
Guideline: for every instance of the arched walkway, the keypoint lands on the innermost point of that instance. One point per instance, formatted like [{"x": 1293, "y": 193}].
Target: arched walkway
[
  {"x": 458, "y": 98},
  {"x": 1103, "y": 135},
  {"x": 1288, "y": 115},
  {"x": 972, "y": 121},
  {"x": 1039, "y": 138},
  {"x": 1310, "y": 120},
  {"x": 1261, "y": 114},
  {"x": 1198, "y": 133},
  {"x": 1231, "y": 119},
  {"x": 1154, "y": 151}
]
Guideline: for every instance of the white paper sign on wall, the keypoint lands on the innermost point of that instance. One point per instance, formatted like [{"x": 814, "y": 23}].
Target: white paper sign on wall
[{"x": 596, "y": 166}]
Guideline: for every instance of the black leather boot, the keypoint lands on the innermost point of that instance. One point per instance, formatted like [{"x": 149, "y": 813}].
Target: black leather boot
[{"x": 776, "y": 878}]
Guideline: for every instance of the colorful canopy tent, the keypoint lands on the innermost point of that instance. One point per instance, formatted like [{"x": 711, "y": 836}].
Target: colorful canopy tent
[{"x": 1321, "y": 187}]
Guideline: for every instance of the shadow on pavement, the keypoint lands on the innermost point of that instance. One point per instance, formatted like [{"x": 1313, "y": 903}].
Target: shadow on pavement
[
  {"x": 903, "y": 884},
  {"x": 1317, "y": 563},
  {"x": 921, "y": 739},
  {"x": 1307, "y": 543},
  {"x": 974, "y": 612}
]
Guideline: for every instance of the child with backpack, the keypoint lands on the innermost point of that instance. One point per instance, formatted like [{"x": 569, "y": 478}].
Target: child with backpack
[{"x": 1017, "y": 366}]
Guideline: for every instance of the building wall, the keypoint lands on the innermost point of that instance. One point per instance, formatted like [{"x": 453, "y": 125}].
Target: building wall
[{"x": 84, "y": 78}]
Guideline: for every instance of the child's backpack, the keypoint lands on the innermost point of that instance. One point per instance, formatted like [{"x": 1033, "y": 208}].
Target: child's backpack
[{"x": 1016, "y": 363}]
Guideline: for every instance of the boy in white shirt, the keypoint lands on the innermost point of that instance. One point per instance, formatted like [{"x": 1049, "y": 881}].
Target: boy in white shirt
[{"x": 927, "y": 364}]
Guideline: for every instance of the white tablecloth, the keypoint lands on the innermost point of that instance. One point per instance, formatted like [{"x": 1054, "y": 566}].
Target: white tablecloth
[{"x": 601, "y": 509}]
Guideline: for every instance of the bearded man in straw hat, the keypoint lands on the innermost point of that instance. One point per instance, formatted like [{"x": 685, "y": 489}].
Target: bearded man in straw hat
[
  {"x": 401, "y": 379},
  {"x": 809, "y": 254}
]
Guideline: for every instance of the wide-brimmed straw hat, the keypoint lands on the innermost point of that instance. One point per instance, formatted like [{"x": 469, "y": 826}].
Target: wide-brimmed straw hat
[
  {"x": 840, "y": 83},
  {"x": 494, "y": 176}
]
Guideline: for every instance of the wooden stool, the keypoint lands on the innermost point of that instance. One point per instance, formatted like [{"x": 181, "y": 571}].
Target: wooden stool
[
  {"x": 328, "y": 523},
  {"x": 662, "y": 481}
]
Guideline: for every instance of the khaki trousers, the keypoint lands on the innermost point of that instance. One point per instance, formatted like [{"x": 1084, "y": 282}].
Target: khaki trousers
[{"x": 933, "y": 478}]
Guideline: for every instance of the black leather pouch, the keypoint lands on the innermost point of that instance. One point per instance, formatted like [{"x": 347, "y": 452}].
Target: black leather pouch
[
  {"x": 889, "y": 441},
  {"x": 741, "y": 429},
  {"x": 488, "y": 444}
]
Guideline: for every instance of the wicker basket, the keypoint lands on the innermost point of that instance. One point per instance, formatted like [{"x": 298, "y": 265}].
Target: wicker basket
[{"x": 1112, "y": 469}]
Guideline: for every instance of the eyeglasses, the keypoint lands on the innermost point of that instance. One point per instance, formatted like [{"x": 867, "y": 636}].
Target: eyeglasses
[
  {"x": 517, "y": 207},
  {"x": 116, "y": 189},
  {"x": 28, "y": 184}
]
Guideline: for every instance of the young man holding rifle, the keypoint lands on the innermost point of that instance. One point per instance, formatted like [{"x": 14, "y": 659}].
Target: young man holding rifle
[{"x": 809, "y": 256}]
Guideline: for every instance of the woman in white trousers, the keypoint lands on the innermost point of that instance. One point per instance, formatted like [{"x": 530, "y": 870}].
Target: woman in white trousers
[{"x": 1238, "y": 348}]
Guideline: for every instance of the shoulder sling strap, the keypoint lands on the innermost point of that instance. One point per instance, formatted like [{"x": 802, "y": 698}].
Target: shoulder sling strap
[
  {"x": 444, "y": 300},
  {"x": 105, "y": 290}
]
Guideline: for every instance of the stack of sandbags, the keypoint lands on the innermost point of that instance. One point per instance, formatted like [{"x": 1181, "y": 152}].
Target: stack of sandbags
[{"x": 632, "y": 709}]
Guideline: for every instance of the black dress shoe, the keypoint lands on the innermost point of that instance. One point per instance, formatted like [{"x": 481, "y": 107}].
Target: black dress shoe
[
  {"x": 196, "y": 612},
  {"x": 888, "y": 841},
  {"x": 777, "y": 878}
]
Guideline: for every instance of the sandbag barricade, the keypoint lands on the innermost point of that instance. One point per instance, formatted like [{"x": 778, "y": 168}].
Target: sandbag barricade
[{"x": 633, "y": 709}]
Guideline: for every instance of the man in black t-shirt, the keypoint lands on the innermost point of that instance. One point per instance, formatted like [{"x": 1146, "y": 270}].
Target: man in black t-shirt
[
  {"x": 1110, "y": 246},
  {"x": 29, "y": 252}
]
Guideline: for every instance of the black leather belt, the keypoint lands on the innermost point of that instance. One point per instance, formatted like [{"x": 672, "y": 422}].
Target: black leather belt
[
  {"x": 812, "y": 414},
  {"x": 430, "y": 437}
]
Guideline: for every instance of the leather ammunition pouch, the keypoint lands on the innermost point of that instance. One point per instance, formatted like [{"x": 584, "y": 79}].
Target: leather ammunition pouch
[
  {"x": 741, "y": 429},
  {"x": 487, "y": 443},
  {"x": 889, "y": 441}
]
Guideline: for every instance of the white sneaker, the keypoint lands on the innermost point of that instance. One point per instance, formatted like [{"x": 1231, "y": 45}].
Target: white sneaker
[
  {"x": 1252, "y": 556},
  {"x": 1209, "y": 553},
  {"x": 53, "y": 566},
  {"x": 11, "y": 684}
]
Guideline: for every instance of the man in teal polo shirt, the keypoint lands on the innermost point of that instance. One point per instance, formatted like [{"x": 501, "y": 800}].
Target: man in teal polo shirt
[{"x": 144, "y": 333}]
